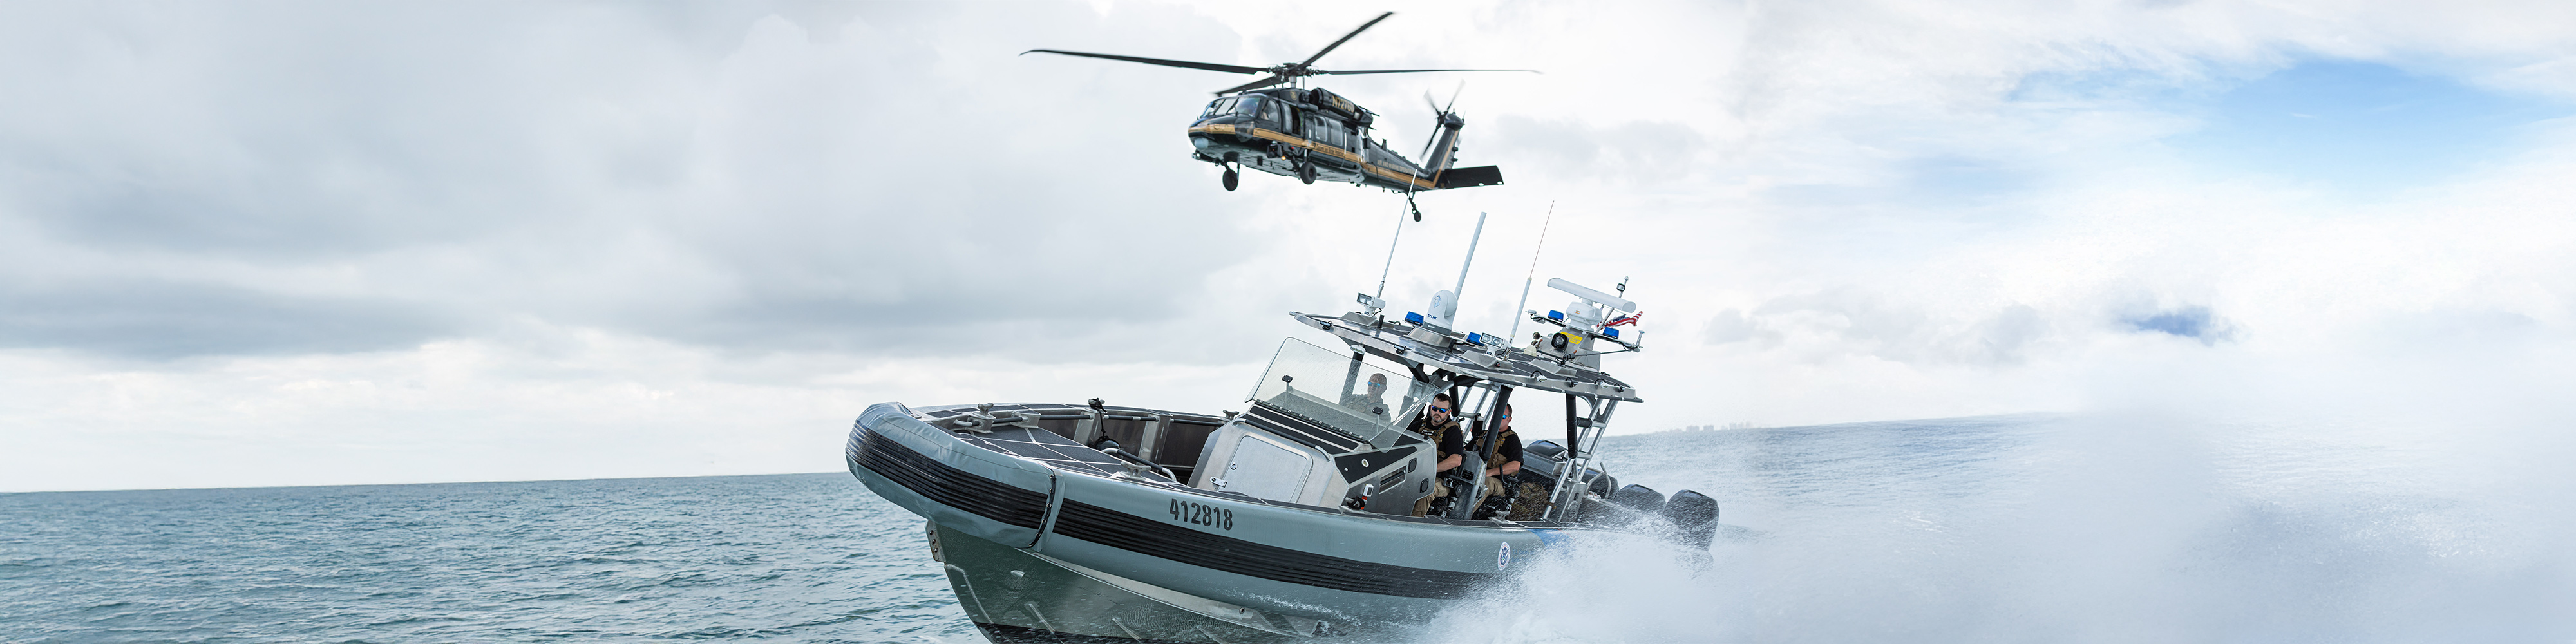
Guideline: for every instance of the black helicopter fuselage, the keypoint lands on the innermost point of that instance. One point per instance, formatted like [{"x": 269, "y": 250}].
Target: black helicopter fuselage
[{"x": 1315, "y": 135}]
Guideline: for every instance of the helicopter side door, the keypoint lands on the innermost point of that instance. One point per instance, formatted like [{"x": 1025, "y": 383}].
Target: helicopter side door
[
  {"x": 1294, "y": 123},
  {"x": 1360, "y": 146}
]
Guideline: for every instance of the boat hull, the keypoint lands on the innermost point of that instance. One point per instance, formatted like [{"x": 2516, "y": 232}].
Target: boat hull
[
  {"x": 1014, "y": 595},
  {"x": 1076, "y": 548}
]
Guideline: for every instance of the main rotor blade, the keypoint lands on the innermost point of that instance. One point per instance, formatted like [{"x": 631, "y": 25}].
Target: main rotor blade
[
  {"x": 1239, "y": 69},
  {"x": 1266, "y": 82},
  {"x": 1347, "y": 37},
  {"x": 1409, "y": 71}
]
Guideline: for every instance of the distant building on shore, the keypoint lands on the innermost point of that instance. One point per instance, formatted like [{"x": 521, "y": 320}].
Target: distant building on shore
[{"x": 1713, "y": 428}]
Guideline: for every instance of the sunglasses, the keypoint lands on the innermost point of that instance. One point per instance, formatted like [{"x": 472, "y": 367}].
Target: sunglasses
[{"x": 1443, "y": 410}]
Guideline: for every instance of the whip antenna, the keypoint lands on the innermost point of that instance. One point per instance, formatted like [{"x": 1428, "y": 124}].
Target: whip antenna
[
  {"x": 1471, "y": 261},
  {"x": 1378, "y": 301},
  {"x": 1533, "y": 273}
]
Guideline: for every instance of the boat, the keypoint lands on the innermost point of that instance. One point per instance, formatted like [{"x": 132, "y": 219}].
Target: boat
[{"x": 1293, "y": 519}]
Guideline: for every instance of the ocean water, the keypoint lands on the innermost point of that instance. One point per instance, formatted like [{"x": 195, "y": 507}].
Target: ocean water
[
  {"x": 805, "y": 557},
  {"x": 2019, "y": 529}
]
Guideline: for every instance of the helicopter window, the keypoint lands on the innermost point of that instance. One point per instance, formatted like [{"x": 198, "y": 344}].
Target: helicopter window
[
  {"x": 1218, "y": 107},
  {"x": 1247, "y": 105}
]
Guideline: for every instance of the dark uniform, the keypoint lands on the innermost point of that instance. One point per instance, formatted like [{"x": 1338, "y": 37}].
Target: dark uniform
[
  {"x": 1448, "y": 439},
  {"x": 1509, "y": 451},
  {"x": 1372, "y": 405}
]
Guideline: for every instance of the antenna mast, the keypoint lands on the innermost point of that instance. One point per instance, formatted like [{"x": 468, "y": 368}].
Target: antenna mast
[
  {"x": 1533, "y": 273},
  {"x": 1390, "y": 258},
  {"x": 1471, "y": 261}
]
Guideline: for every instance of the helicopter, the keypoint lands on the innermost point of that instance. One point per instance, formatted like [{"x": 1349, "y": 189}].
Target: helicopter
[{"x": 1313, "y": 134}]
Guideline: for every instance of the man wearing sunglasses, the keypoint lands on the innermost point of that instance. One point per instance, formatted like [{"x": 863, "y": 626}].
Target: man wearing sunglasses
[
  {"x": 1503, "y": 475},
  {"x": 1440, "y": 426},
  {"x": 1373, "y": 403}
]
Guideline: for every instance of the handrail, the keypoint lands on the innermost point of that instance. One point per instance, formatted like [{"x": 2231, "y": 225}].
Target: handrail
[{"x": 1134, "y": 463}]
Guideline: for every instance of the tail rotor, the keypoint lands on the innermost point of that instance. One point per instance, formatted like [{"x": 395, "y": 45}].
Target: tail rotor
[
  {"x": 1440, "y": 116},
  {"x": 1444, "y": 134}
]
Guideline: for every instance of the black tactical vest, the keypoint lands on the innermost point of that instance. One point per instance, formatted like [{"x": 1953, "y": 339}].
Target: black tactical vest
[
  {"x": 1431, "y": 431},
  {"x": 1499, "y": 439}
]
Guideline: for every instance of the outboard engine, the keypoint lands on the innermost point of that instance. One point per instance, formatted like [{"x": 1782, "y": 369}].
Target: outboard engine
[
  {"x": 1644, "y": 500},
  {"x": 1695, "y": 516}
]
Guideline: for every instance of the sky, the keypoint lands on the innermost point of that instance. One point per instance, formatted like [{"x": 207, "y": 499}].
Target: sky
[{"x": 265, "y": 243}]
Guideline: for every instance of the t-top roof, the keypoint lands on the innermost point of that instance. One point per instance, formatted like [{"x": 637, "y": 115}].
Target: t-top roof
[{"x": 1393, "y": 340}]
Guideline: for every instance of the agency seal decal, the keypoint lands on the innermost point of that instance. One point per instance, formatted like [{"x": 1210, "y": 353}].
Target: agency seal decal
[{"x": 1503, "y": 559}]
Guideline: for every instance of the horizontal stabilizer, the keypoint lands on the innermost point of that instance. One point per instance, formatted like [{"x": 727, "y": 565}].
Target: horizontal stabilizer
[{"x": 1471, "y": 177}]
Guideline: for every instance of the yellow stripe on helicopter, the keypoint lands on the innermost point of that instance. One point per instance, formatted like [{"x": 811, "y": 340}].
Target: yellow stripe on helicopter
[{"x": 1274, "y": 135}]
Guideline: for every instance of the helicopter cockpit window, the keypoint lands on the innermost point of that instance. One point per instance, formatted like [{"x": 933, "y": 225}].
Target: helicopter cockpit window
[
  {"x": 1247, "y": 105},
  {"x": 1219, "y": 107}
]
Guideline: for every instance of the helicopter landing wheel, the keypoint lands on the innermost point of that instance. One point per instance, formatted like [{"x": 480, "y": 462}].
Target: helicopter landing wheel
[
  {"x": 1231, "y": 178},
  {"x": 1306, "y": 173}
]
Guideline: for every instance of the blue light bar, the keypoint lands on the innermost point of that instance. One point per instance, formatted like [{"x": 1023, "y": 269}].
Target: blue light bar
[
  {"x": 1413, "y": 317},
  {"x": 1556, "y": 315},
  {"x": 1610, "y": 332},
  {"x": 1475, "y": 338}
]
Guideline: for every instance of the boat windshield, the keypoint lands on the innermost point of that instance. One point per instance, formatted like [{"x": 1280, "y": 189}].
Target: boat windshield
[{"x": 1330, "y": 387}]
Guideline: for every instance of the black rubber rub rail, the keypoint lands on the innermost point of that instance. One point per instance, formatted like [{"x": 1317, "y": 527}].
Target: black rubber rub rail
[
  {"x": 949, "y": 486},
  {"x": 1137, "y": 534}
]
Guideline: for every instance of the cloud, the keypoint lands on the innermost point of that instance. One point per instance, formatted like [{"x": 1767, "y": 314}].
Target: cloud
[
  {"x": 1848, "y": 321},
  {"x": 1845, "y": 210},
  {"x": 715, "y": 175},
  {"x": 1636, "y": 154},
  {"x": 162, "y": 320},
  {"x": 2192, "y": 322},
  {"x": 2368, "y": 128}
]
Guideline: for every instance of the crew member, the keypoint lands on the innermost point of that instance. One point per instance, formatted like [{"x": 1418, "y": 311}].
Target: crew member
[
  {"x": 1373, "y": 403},
  {"x": 1440, "y": 426},
  {"x": 1504, "y": 476}
]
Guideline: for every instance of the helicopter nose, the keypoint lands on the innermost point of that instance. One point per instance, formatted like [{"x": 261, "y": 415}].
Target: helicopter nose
[{"x": 1199, "y": 142}]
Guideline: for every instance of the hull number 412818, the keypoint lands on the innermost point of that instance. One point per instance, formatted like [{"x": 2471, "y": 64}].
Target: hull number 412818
[{"x": 1202, "y": 514}]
